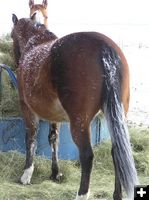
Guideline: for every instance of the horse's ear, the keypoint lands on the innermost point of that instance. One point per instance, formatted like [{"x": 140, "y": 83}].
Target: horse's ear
[
  {"x": 31, "y": 3},
  {"x": 14, "y": 19},
  {"x": 45, "y": 3},
  {"x": 33, "y": 17}
]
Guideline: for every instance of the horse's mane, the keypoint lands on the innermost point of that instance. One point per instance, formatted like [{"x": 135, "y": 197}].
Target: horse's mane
[
  {"x": 37, "y": 33},
  {"x": 42, "y": 35}
]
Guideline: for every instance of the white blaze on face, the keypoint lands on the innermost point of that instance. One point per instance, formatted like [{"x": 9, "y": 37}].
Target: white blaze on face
[{"x": 39, "y": 17}]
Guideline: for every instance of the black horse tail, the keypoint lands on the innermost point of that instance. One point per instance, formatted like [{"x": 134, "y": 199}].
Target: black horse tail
[{"x": 114, "y": 113}]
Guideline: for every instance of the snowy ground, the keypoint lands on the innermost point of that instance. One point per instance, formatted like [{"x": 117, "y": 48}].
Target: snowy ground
[{"x": 138, "y": 60}]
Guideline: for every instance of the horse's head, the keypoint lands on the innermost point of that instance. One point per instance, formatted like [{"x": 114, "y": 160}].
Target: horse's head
[
  {"x": 21, "y": 32},
  {"x": 27, "y": 33},
  {"x": 43, "y": 5},
  {"x": 40, "y": 9}
]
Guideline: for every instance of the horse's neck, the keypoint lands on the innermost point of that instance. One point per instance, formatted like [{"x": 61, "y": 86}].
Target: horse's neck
[
  {"x": 46, "y": 22},
  {"x": 39, "y": 39}
]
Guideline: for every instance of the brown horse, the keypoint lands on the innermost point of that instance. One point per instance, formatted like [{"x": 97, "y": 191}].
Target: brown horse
[
  {"x": 41, "y": 9},
  {"x": 72, "y": 79},
  {"x": 42, "y": 13}
]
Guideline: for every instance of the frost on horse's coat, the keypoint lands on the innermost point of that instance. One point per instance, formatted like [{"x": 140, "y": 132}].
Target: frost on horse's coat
[{"x": 72, "y": 79}]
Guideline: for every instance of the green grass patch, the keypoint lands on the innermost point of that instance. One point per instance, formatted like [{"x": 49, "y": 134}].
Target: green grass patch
[
  {"x": 9, "y": 98},
  {"x": 140, "y": 144},
  {"x": 102, "y": 179},
  {"x": 9, "y": 101},
  {"x": 6, "y": 54}
]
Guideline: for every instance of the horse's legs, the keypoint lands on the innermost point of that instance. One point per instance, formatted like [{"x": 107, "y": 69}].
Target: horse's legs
[
  {"x": 53, "y": 141},
  {"x": 117, "y": 195},
  {"x": 81, "y": 137},
  {"x": 31, "y": 122}
]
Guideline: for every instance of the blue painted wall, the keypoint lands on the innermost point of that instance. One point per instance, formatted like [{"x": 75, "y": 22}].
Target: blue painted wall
[{"x": 12, "y": 137}]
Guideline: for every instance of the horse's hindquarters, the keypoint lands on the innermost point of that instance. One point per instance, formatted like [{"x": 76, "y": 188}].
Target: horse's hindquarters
[{"x": 77, "y": 74}]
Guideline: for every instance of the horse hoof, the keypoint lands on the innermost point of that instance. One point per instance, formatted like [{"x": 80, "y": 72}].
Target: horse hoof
[
  {"x": 23, "y": 183},
  {"x": 56, "y": 178},
  {"x": 83, "y": 197},
  {"x": 27, "y": 175}
]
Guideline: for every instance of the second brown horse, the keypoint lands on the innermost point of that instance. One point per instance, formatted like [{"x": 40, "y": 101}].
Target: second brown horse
[
  {"x": 72, "y": 79},
  {"x": 40, "y": 9}
]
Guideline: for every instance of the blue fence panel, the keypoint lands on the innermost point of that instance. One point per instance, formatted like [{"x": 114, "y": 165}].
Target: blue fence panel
[
  {"x": 12, "y": 137},
  {"x": 104, "y": 130},
  {"x": 12, "y": 134},
  {"x": 67, "y": 149}
]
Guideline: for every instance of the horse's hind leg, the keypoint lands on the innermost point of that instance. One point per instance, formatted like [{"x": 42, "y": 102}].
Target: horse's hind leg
[
  {"x": 31, "y": 122},
  {"x": 81, "y": 137},
  {"x": 53, "y": 141},
  {"x": 117, "y": 195}
]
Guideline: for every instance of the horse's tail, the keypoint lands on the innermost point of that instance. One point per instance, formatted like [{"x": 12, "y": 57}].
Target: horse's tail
[{"x": 114, "y": 113}]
